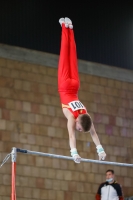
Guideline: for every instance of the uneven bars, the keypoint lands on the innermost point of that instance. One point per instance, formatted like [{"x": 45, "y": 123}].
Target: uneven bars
[{"x": 70, "y": 158}]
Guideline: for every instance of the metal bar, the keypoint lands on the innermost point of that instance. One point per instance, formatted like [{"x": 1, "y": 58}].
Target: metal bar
[{"x": 70, "y": 158}]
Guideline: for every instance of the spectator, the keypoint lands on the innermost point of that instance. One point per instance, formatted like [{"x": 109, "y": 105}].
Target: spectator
[{"x": 110, "y": 189}]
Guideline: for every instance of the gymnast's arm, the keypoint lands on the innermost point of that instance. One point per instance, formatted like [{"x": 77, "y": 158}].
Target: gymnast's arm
[
  {"x": 71, "y": 131},
  {"x": 100, "y": 150},
  {"x": 70, "y": 127},
  {"x": 94, "y": 135},
  {"x": 72, "y": 138}
]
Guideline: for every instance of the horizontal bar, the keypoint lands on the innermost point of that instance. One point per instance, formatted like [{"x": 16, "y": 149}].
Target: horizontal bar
[{"x": 70, "y": 158}]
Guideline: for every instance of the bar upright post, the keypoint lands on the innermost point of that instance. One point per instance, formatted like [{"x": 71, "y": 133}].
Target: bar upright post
[{"x": 13, "y": 179}]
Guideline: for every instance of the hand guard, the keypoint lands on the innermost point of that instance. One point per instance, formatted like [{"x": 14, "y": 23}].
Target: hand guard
[
  {"x": 75, "y": 155},
  {"x": 101, "y": 152}
]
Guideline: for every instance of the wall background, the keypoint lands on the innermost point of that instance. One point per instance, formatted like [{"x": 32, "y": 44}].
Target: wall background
[{"x": 31, "y": 118}]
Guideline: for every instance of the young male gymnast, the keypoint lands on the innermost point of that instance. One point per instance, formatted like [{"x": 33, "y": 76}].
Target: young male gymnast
[{"x": 68, "y": 86}]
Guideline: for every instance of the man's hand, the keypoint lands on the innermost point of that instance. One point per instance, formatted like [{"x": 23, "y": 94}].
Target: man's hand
[
  {"x": 77, "y": 158},
  {"x": 102, "y": 156},
  {"x": 101, "y": 152},
  {"x": 75, "y": 155}
]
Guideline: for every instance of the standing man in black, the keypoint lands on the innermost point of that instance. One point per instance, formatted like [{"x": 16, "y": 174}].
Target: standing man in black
[{"x": 110, "y": 189}]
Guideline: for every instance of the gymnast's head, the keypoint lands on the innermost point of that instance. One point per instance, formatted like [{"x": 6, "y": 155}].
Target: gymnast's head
[{"x": 83, "y": 122}]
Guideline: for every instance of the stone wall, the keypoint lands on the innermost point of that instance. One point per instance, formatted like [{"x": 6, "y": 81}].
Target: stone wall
[{"x": 31, "y": 118}]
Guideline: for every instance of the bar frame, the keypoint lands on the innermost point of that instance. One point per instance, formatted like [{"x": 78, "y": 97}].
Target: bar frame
[{"x": 18, "y": 150}]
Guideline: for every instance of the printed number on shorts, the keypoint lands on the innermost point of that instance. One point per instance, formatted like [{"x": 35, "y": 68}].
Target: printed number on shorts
[{"x": 76, "y": 105}]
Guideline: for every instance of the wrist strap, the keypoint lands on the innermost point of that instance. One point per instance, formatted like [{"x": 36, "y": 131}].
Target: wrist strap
[
  {"x": 74, "y": 152},
  {"x": 100, "y": 149}
]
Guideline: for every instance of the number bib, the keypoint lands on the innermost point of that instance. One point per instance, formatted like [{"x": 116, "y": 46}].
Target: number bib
[{"x": 76, "y": 105}]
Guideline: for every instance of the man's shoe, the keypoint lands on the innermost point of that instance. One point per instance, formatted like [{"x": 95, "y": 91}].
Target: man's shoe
[
  {"x": 68, "y": 22},
  {"x": 61, "y": 21}
]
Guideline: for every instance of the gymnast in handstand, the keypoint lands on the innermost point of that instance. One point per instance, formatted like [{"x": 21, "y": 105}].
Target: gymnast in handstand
[{"x": 68, "y": 86}]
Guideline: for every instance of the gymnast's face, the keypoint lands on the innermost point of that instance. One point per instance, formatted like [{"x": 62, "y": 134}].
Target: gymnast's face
[{"x": 78, "y": 125}]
